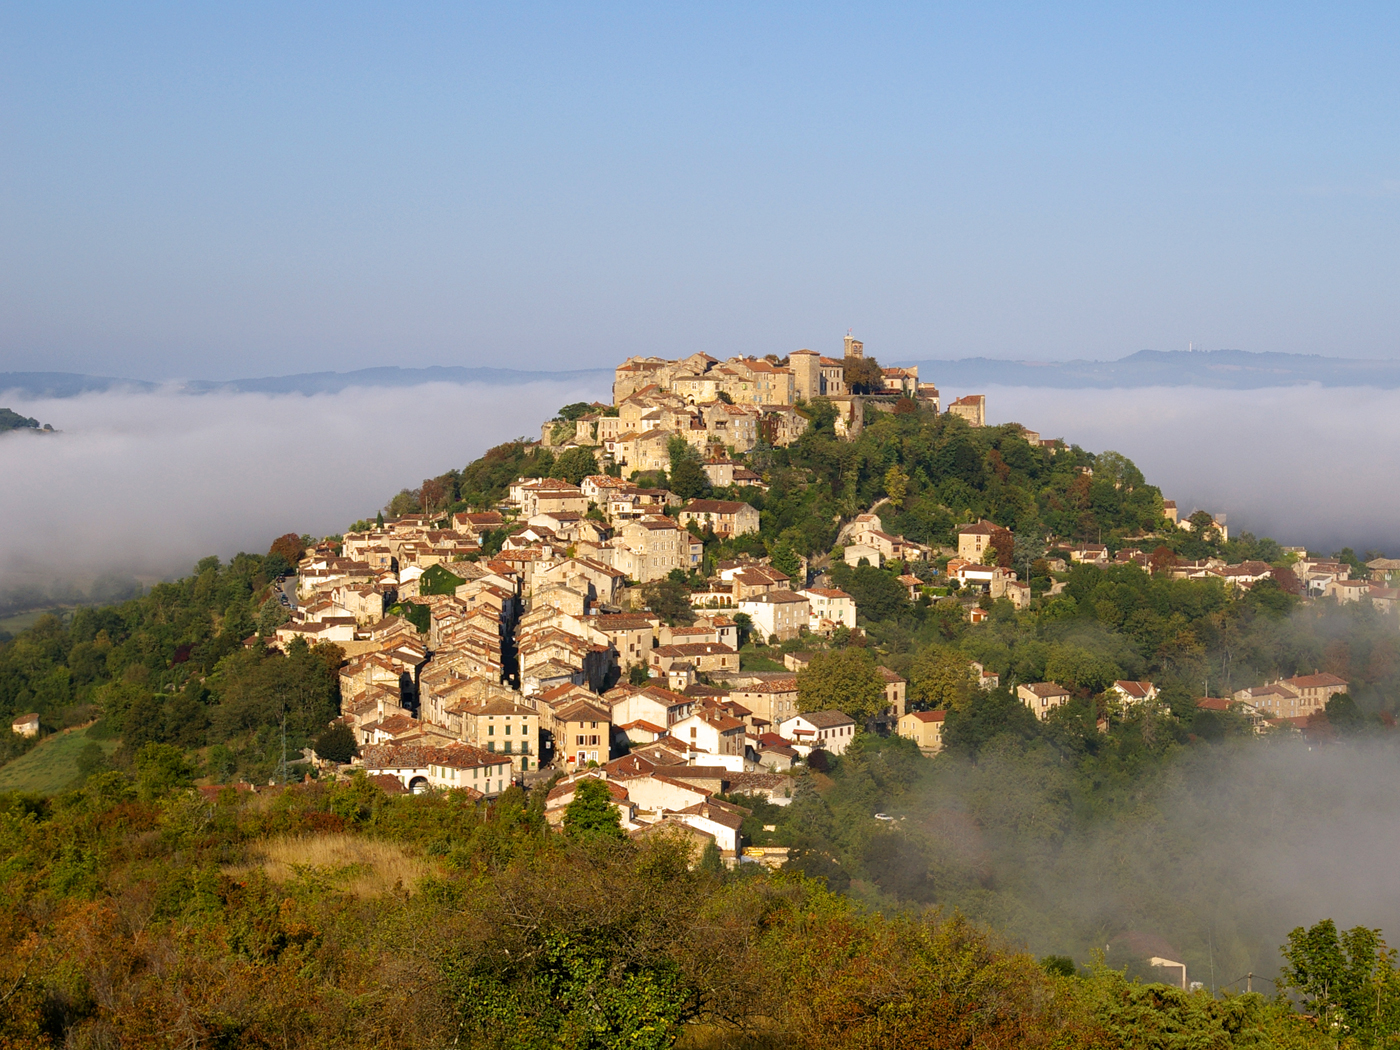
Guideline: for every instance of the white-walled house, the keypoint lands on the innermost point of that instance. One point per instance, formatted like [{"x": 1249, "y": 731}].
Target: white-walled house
[
  {"x": 829, "y": 730},
  {"x": 831, "y": 604}
]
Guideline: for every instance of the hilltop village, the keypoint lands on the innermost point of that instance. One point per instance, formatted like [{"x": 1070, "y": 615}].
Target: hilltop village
[{"x": 578, "y": 630}]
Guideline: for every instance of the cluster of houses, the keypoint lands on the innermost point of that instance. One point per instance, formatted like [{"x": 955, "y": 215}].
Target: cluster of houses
[
  {"x": 726, "y": 407},
  {"x": 524, "y": 653},
  {"x": 1283, "y": 703}
]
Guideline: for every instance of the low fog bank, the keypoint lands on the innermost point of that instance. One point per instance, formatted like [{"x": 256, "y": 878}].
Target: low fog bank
[
  {"x": 1305, "y": 465},
  {"x": 1213, "y": 864},
  {"x": 144, "y": 483}
]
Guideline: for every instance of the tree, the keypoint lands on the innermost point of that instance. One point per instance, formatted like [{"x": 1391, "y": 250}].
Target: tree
[
  {"x": 743, "y": 627},
  {"x": 1002, "y": 549},
  {"x": 845, "y": 680},
  {"x": 575, "y": 464},
  {"x": 433, "y": 493},
  {"x": 1076, "y": 667},
  {"x": 1162, "y": 560},
  {"x": 406, "y": 502},
  {"x": 638, "y": 675},
  {"x": 289, "y": 547},
  {"x": 941, "y": 677},
  {"x": 687, "y": 477},
  {"x": 863, "y": 375},
  {"x": 896, "y": 485},
  {"x": 878, "y": 595},
  {"x": 575, "y": 411},
  {"x": 161, "y": 769},
  {"x": 988, "y": 716},
  {"x": 591, "y": 813},
  {"x": 669, "y": 600},
  {"x": 1348, "y": 979},
  {"x": 785, "y": 559},
  {"x": 336, "y": 744}
]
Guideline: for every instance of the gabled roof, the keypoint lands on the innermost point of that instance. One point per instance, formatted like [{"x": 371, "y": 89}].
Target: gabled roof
[
  {"x": 826, "y": 719},
  {"x": 927, "y": 716}
]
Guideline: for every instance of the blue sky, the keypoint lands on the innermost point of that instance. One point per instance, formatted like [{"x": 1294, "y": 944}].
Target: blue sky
[{"x": 218, "y": 191}]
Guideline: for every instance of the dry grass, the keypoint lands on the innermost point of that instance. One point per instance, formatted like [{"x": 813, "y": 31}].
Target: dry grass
[{"x": 363, "y": 866}]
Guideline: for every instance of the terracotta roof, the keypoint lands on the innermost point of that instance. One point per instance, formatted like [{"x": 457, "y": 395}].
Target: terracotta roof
[{"x": 928, "y": 716}]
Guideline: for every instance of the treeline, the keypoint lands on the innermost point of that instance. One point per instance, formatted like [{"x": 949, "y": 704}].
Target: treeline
[
  {"x": 171, "y": 667},
  {"x": 141, "y": 914}
]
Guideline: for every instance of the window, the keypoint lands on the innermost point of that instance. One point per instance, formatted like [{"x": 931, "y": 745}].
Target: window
[
  {"x": 580, "y": 741},
  {"x": 507, "y": 747},
  {"x": 507, "y": 729},
  {"x": 490, "y": 730}
]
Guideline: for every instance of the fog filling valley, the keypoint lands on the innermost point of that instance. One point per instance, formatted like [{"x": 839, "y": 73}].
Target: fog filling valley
[
  {"x": 1232, "y": 847},
  {"x": 147, "y": 484},
  {"x": 1307, "y": 465}
]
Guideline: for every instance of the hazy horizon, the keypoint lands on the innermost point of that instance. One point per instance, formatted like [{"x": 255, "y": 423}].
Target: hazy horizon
[{"x": 170, "y": 477}]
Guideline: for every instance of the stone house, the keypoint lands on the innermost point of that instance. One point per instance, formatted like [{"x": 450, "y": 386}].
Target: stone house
[
  {"x": 1042, "y": 697},
  {"x": 781, "y": 614},
  {"x": 702, "y": 656},
  {"x": 726, "y": 517}
]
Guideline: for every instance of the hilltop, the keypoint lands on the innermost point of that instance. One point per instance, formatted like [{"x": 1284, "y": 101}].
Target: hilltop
[{"x": 539, "y": 732}]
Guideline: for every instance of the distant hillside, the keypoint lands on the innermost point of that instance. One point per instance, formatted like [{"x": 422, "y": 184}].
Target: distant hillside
[
  {"x": 1226, "y": 369},
  {"x": 10, "y": 420},
  {"x": 65, "y": 384},
  {"x": 1230, "y": 369}
]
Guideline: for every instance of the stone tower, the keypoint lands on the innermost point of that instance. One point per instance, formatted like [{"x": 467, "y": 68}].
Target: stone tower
[{"x": 854, "y": 347}]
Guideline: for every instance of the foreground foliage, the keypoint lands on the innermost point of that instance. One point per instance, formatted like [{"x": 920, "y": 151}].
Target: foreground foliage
[{"x": 148, "y": 917}]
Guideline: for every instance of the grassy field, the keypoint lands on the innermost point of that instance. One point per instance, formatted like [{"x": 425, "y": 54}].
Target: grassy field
[
  {"x": 52, "y": 766},
  {"x": 25, "y": 620}
]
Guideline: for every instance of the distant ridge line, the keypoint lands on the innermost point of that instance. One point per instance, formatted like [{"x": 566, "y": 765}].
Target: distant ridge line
[
  {"x": 68, "y": 384},
  {"x": 1222, "y": 369}
]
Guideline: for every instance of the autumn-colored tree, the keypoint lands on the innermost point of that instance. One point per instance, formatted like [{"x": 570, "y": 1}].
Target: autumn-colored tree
[
  {"x": 1162, "y": 560},
  {"x": 289, "y": 547},
  {"x": 433, "y": 494},
  {"x": 1002, "y": 547}
]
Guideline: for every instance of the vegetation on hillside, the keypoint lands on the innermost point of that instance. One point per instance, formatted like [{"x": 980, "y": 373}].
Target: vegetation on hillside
[
  {"x": 1068, "y": 838},
  {"x": 142, "y": 915}
]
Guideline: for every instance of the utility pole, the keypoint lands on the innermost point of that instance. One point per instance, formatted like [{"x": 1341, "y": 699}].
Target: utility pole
[{"x": 1249, "y": 981}]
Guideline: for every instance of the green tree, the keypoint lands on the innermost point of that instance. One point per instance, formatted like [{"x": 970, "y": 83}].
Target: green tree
[
  {"x": 591, "y": 814},
  {"x": 1075, "y": 667},
  {"x": 878, "y": 595},
  {"x": 1347, "y": 979},
  {"x": 896, "y": 485},
  {"x": 941, "y": 678},
  {"x": 670, "y": 600},
  {"x": 336, "y": 744},
  {"x": 575, "y": 464},
  {"x": 161, "y": 769},
  {"x": 687, "y": 476},
  {"x": 844, "y": 680},
  {"x": 785, "y": 559}
]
